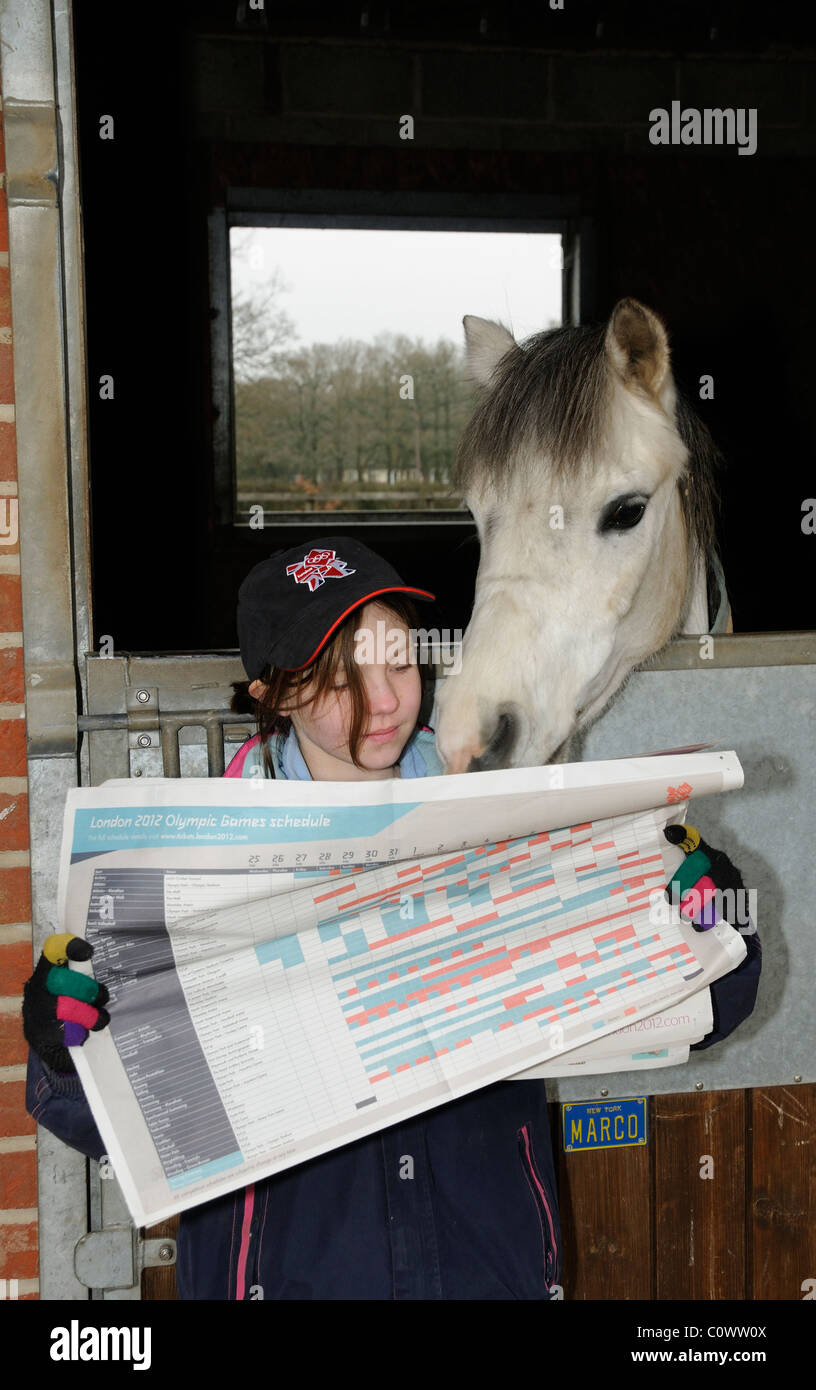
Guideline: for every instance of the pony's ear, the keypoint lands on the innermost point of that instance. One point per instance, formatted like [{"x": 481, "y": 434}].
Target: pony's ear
[
  {"x": 486, "y": 343},
  {"x": 638, "y": 347}
]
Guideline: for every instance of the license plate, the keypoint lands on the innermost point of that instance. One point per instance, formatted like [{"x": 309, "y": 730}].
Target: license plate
[{"x": 605, "y": 1124}]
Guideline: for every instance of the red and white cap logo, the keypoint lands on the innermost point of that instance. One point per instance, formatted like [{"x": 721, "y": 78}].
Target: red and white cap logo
[{"x": 318, "y": 566}]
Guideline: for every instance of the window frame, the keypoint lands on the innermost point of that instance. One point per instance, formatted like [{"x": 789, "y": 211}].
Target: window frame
[{"x": 387, "y": 210}]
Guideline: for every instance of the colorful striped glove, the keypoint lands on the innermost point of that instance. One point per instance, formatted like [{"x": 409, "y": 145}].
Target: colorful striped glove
[
  {"x": 704, "y": 873},
  {"x": 60, "y": 1005},
  {"x": 708, "y": 888}
]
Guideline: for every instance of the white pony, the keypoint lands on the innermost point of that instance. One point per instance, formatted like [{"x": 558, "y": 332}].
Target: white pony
[{"x": 591, "y": 482}]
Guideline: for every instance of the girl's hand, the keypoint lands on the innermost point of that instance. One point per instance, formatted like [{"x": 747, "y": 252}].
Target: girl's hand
[
  {"x": 61, "y": 1005},
  {"x": 706, "y": 885},
  {"x": 701, "y": 885}
]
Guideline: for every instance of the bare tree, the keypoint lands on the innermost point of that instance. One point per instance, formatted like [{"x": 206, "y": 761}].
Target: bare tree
[{"x": 261, "y": 329}]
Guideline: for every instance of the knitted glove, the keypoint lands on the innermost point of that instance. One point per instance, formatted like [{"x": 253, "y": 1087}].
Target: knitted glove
[
  {"x": 698, "y": 886},
  {"x": 60, "y": 1005},
  {"x": 703, "y": 871}
]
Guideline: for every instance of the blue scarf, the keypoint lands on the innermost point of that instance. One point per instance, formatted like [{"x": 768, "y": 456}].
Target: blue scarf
[{"x": 291, "y": 764}]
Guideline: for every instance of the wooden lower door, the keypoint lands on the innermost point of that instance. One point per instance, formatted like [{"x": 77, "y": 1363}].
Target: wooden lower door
[{"x": 718, "y": 1205}]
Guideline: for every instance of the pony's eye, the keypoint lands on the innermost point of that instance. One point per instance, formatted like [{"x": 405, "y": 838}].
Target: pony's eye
[{"x": 622, "y": 516}]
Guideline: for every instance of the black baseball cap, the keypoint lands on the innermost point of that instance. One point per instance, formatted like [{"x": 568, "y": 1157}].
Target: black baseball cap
[{"x": 291, "y": 604}]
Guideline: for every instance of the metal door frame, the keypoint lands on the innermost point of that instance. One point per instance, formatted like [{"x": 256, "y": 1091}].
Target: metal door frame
[{"x": 49, "y": 365}]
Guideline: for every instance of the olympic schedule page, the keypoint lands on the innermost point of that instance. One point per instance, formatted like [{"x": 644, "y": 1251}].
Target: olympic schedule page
[{"x": 293, "y": 966}]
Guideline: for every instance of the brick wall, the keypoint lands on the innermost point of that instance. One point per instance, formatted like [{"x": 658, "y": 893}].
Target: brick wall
[{"x": 18, "y": 1158}]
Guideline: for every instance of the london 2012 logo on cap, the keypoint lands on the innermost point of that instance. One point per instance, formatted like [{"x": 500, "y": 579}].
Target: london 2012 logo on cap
[{"x": 318, "y": 566}]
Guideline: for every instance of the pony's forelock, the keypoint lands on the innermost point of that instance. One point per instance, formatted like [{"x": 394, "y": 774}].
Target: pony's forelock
[{"x": 548, "y": 395}]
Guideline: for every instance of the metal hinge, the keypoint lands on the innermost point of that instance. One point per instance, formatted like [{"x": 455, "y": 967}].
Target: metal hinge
[
  {"x": 51, "y": 709},
  {"x": 114, "y": 1258}
]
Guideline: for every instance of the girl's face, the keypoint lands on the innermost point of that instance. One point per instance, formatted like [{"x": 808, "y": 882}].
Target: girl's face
[{"x": 393, "y": 690}]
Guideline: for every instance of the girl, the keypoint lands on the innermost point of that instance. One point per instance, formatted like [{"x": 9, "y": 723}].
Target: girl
[{"x": 473, "y": 1214}]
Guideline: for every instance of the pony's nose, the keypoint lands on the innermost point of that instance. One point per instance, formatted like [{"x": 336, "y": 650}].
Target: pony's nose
[{"x": 499, "y": 747}]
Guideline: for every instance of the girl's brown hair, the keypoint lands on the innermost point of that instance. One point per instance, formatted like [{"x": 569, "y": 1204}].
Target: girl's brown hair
[{"x": 282, "y": 686}]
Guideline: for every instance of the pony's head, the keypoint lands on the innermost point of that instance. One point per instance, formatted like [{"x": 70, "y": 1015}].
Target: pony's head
[{"x": 592, "y": 486}]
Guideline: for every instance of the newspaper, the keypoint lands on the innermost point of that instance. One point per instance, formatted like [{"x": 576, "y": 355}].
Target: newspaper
[
  {"x": 293, "y": 966},
  {"x": 663, "y": 1040}
]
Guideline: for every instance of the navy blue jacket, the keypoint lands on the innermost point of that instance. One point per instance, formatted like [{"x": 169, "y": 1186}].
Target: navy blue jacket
[{"x": 457, "y": 1203}]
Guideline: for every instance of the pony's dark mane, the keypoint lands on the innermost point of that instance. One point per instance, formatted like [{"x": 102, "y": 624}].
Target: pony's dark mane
[
  {"x": 550, "y": 395},
  {"x": 699, "y": 494}
]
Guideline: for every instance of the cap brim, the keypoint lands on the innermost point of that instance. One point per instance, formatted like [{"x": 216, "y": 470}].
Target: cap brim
[{"x": 366, "y": 598}]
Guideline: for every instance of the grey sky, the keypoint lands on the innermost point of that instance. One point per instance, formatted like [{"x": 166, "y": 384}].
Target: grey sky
[{"x": 355, "y": 284}]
